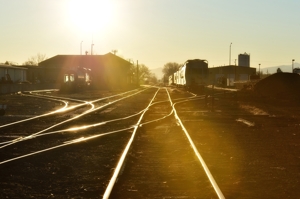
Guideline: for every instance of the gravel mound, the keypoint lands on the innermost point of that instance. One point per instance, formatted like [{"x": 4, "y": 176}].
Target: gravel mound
[{"x": 283, "y": 85}]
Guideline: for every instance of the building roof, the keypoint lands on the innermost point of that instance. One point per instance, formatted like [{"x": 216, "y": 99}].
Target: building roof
[
  {"x": 75, "y": 60},
  {"x": 12, "y": 67}
]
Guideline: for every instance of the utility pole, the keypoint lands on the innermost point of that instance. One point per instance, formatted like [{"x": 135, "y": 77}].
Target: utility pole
[
  {"x": 293, "y": 65},
  {"x": 137, "y": 72},
  {"x": 230, "y": 54},
  {"x": 92, "y": 49}
]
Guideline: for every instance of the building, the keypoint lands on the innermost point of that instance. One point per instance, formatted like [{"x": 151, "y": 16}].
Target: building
[
  {"x": 232, "y": 74},
  {"x": 107, "y": 71},
  {"x": 244, "y": 60},
  {"x": 33, "y": 73},
  {"x": 228, "y": 75},
  {"x": 12, "y": 74}
]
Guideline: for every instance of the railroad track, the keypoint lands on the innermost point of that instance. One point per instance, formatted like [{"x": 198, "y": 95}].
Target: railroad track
[
  {"x": 52, "y": 123},
  {"x": 162, "y": 163},
  {"x": 133, "y": 139}
]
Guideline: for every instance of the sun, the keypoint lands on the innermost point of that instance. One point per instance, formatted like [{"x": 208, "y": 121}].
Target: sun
[{"x": 90, "y": 15}]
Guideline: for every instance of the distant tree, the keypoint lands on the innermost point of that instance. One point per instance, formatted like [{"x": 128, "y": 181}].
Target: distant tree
[
  {"x": 279, "y": 70},
  {"x": 35, "y": 60},
  {"x": 30, "y": 62},
  {"x": 153, "y": 79},
  {"x": 141, "y": 73},
  {"x": 11, "y": 63},
  {"x": 170, "y": 68}
]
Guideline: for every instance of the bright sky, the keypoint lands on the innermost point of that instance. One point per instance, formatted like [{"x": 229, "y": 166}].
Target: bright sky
[{"x": 153, "y": 32}]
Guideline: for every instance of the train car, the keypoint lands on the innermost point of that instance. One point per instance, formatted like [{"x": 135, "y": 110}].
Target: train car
[
  {"x": 76, "y": 79},
  {"x": 192, "y": 74},
  {"x": 176, "y": 78}
]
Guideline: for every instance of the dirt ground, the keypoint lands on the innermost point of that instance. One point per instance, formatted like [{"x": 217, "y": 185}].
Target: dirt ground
[
  {"x": 254, "y": 140},
  {"x": 249, "y": 139}
]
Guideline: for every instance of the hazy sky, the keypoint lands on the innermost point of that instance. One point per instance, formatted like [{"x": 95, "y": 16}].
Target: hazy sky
[{"x": 153, "y": 31}]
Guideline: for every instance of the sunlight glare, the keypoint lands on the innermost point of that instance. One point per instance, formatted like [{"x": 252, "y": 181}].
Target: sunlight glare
[{"x": 90, "y": 15}]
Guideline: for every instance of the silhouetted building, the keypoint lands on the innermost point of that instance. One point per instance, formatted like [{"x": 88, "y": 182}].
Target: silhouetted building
[
  {"x": 12, "y": 74},
  {"x": 107, "y": 71},
  {"x": 228, "y": 75},
  {"x": 244, "y": 60},
  {"x": 34, "y": 73}
]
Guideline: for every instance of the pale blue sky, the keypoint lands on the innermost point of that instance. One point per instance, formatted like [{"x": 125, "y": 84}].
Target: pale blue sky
[{"x": 153, "y": 31}]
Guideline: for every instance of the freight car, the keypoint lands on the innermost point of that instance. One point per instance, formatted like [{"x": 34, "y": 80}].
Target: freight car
[
  {"x": 192, "y": 75},
  {"x": 76, "y": 79}
]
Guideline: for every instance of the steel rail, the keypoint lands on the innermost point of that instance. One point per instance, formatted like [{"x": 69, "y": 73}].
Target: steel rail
[
  {"x": 100, "y": 123},
  {"x": 82, "y": 139},
  {"x": 36, "y": 95},
  {"x": 77, "y": 140},
  {"x": 207, "y": 171},
  {"x": 35, "y": 117},
  {"x": 96, "y": 124},
  {"x": 103, "y": 98},
  {"x": 78, "y": 128},
  {"x": 194, "y": 97},
  {"x": 60, "y": 100},
  {"x": 120, "y": 130},
  {"x": 65, "y": 121},
  {"x": 48, "y": 97},
  {"x": 124, "y": 154},
  {"x": 73, "y": 128}
]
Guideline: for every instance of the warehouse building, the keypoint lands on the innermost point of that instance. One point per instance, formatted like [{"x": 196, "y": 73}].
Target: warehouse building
[
  {"x": 232, "y": 74},
  {"x": 12, "y": 74},
  {"x": 107, "y": 71},
  {"x": 229, "y": 75},
  {"x": 12, "y": 78}
]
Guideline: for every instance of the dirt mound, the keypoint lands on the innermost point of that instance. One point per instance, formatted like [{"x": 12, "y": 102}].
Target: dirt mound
[{"x": 283, "y": 85}]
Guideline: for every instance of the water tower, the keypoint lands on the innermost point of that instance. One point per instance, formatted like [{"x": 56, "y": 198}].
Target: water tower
[{"x": 244, "y": 60}]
